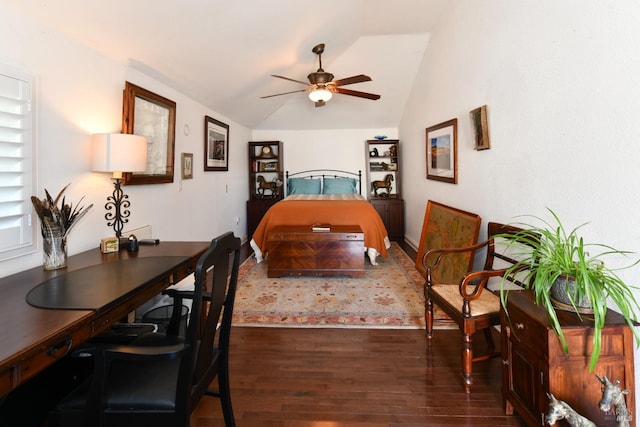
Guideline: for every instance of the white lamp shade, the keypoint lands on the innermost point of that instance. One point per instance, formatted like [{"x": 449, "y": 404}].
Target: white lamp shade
[
  {"x": 320, "y": 95},
  {"x": 119, "y": 152}
]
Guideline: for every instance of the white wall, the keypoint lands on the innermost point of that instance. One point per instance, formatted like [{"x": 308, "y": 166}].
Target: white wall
[
  {"x": 561, "y": 80},
  {"x": 80, "y": 93},
  {"x": 562, "y": 83}
]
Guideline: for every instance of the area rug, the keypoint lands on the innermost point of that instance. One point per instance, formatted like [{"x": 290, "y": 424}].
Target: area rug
[{"x": 390, "y": 295}]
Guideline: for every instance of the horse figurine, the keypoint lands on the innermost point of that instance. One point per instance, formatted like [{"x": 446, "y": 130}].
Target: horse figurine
[
  {"x": 263, "y": 185},
  {"x": 376, "y": 185},
  {"x": 559, "y": 410},
  {"x": 613, "y": 395}
]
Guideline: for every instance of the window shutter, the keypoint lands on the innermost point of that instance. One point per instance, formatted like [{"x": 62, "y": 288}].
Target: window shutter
[{"x": 17, "y": 231}]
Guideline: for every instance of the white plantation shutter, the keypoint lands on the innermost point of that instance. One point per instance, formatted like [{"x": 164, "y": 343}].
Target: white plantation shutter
[{"x": 17, "y": 231}]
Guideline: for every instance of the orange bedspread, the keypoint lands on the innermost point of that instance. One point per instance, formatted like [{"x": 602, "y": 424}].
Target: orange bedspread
[{"x": 336, "y": 212}]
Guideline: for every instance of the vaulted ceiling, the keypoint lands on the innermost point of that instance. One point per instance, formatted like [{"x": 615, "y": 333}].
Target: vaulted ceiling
[{"x": 222, "y": 52}]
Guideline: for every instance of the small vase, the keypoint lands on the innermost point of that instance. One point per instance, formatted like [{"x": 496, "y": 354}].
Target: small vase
[{"x": 54, "y": 249}]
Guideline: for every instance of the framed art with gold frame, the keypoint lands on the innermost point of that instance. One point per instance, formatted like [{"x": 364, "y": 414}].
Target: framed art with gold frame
[
  {"x": 153, "y": 116},
  {"x": 480, "y": 128},
  {"x": 187, "y": 165}
]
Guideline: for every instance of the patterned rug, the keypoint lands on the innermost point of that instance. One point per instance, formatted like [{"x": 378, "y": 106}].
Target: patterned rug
[{"x": 390, "y": 295}]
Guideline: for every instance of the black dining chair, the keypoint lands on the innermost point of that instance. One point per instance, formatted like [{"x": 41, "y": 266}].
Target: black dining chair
[{"x": 159, "y": 378}]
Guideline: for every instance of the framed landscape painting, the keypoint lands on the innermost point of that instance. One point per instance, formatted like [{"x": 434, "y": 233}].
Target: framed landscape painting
[{"x": 441, "y": 150}]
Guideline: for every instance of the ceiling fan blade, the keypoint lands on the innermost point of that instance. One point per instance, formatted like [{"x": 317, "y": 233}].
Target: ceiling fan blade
[
  {"x": 284, "y": 93},
  {"x": 291, "y": 80},
  {"x": 351, "y": 80},
  {"x": 357, "y": 93}
]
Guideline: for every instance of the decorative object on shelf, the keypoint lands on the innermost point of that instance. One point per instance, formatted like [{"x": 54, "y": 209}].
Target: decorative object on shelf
[
  {"x": 216, "y": 145},
  {"x": 55, "y": 224},
  {"x": 442, "y": 152},
  {"x": 393, "y": 153},
  {"x": 480, "y": 128},
  {"x": 187, "y": 165},
  {"x": 118, "y": 153},
  {"x": 560, "y": 410},
  {"x": 272, "y": 186},
  {"x": 373, "y": 152},
  {"x": 154, "y": 117},
  {"x": 613, "y": 395},
  {"x": 380, "y": 137},
  {"x": 550, "y": 253},
  {"x": 266, "y": 152},
  {"x": 268, "y": 166},
  {"x": 378, "y": 185}
]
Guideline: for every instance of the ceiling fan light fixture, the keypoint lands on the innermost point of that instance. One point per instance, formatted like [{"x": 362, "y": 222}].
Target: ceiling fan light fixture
[{"x": 318, "y": 95}]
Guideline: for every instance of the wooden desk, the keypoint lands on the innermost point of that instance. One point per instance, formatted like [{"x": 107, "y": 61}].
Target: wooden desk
[{"x": 34, "y": 338}]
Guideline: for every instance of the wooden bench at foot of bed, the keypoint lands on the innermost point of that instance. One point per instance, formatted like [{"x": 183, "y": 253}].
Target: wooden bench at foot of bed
[{"x": 296, "y": 249}]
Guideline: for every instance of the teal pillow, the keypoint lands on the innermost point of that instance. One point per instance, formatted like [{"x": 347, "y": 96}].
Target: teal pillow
[
  {"x": 303, "y": 186},
  {"x": 340, "y": 186}
]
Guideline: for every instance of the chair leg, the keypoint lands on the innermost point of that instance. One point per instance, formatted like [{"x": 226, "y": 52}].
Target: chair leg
[
  {"x": 225, "y": 395},
  {"x": 428, "y": 315},
  {"x": 467, "y": 361}
]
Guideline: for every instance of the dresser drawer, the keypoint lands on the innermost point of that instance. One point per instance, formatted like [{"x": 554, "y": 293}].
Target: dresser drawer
[{"x": 526, "y": 330}]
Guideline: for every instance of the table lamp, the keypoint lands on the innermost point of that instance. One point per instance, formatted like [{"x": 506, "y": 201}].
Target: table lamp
[{"x": 118, "y": 153}]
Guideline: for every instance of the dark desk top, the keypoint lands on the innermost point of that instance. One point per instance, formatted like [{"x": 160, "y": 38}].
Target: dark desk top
[
  {"x": 25, "y": 330},
  {"x": 99, "y": 286}
]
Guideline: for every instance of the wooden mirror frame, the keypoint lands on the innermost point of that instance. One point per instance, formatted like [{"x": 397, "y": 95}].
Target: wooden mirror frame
[{"x": 161, "y": 122}]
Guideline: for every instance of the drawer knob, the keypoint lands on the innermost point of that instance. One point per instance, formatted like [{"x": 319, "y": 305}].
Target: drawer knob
[{"x": 520, "y": 326}]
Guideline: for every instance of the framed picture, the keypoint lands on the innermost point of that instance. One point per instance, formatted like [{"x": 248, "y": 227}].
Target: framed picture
[
  {"x": 442, "y": 152},
  {"x": 153, "y": 116},
  {"x": 187, "y": 165},
  {"x": 216, "y": 145},
  {"x": 480, "y": 128}
]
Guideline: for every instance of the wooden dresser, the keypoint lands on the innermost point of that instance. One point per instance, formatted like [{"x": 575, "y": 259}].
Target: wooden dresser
[
  {"x": 296, "y": 249},
  {"x": 534, "y": 362}
]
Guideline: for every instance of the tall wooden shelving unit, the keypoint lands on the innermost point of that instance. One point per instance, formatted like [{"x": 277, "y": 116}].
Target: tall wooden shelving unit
[
  {"x": 383, "y": 169},
  {"x": 266, "y": 178}
]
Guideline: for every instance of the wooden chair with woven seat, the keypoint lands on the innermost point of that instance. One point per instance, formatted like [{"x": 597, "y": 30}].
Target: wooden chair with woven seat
[{"x": 474, "y": 302}]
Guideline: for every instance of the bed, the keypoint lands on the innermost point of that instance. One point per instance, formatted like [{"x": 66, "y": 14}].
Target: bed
[{"x": 324, "y": 196}]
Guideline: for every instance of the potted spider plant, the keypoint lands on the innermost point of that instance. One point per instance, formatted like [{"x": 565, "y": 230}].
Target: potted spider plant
[{"x": 566, "y": 273}]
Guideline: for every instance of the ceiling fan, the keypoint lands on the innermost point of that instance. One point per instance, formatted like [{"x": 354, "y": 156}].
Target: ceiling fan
[{"x": 321, "y": 85}]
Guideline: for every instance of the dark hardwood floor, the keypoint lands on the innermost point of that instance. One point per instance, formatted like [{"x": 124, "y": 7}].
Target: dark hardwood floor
[{"x": 284, "y": 377}]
